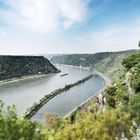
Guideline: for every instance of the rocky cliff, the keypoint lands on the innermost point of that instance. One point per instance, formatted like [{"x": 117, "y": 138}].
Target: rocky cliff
[{"x": 17, "y": 66}]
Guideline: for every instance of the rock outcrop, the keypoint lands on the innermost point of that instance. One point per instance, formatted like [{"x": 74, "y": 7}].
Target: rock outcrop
[{"x": 17, "y": 66}]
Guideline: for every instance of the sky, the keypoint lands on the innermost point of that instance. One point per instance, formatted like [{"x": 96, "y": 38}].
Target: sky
[{"x": 68, "y": 26}]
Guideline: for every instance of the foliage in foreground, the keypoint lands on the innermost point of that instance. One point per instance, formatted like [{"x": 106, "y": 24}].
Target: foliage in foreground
[
  {"x": 86, "y": 126},
  {"x": 14, "y": 128}
]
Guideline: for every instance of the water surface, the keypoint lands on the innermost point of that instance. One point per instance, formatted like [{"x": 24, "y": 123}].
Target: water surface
[
  {"x": 24, "y": 93},
  {"x": 68, "y": 100}
]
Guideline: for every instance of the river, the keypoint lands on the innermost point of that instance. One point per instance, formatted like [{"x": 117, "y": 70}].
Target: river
[{"x": 24, "y": 93}]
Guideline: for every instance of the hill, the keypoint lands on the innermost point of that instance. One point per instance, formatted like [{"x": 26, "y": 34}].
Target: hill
[
  {"x": 106, "y": 62},
  {"x": 17, "y": 66}
]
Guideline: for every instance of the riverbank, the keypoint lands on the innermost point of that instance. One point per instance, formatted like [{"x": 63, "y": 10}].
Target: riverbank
[
  {"x": 106, "y": 78},
  {"x": 14, "y": 80},
  {"x": 98, "y": 96}
]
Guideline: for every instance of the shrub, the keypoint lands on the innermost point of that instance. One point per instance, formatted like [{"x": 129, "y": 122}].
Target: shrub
[
  {"x": 136, "y": 85},
  {"x": 111, "y": 101},
  {"x": 14, "y": 128},
  {"x": 134, "y": 107}
]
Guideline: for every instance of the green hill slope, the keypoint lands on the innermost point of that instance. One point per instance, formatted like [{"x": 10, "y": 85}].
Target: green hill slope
[
  {"x": 106, "y": 62},
  {"x": 18, "y": 66}
]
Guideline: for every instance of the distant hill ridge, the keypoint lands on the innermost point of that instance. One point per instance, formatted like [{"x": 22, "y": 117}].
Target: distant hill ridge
[
  {"x": 107, "y": 62},
  {"x": 17, "y": 66}
]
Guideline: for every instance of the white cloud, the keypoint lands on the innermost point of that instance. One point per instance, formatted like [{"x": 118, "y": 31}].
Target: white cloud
[
  {"x": 46, "y": 15},
  {"x": 73, "y": 11},
  {"x": 3, "y": 33},
  {"x": 113, "y": 38}
]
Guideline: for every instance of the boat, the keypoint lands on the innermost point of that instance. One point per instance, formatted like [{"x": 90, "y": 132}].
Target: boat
[{"x": 63, "y": 74}]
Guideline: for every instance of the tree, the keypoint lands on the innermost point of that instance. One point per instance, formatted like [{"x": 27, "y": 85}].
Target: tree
[
  {"x": 111, "y": 101},
  {"x": 14, "y": 128},
  {"x": 131, "y": 60},
  {"x": 134, "y": 107}
]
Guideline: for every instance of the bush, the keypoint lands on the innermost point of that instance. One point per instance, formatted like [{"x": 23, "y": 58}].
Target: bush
[
  {"x": 111, "y": 91},
  {"x": 134, "y": 107},
  {"x": 131, "y": 61},
  {"x": 14, "y": 128},
  {"x": 106, "y": 126},
  {"x": 136, "y": 85},
  {"x": 111, "y": 101}
]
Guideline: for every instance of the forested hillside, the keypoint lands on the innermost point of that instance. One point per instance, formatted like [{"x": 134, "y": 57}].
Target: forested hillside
[
  {"x": 118, "y": 119},
  {"x": 106, "y": 62},
  {"x": 17, "y": 66}
]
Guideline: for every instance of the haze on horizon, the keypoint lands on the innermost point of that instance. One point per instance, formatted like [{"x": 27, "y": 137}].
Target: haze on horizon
[{"x": 68, "y": 26}]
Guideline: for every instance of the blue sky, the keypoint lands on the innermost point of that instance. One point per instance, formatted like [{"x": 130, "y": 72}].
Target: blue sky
[{"x": 68, "y": 26}]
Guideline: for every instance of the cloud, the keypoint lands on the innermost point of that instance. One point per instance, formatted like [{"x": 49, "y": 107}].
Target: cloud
[
  {"x": 113, "y": 38},
  {"x": 3, "y": 33},
  {"x": 45, "y": 15}
]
